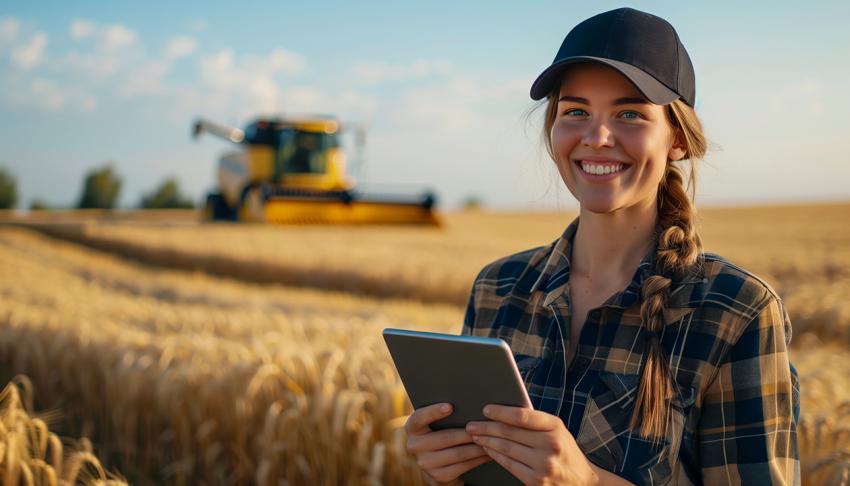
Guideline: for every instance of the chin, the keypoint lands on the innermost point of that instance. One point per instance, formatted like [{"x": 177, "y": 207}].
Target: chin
[
  {"x": 599, "y": 205},
  {"x": 601, "y": 209}
]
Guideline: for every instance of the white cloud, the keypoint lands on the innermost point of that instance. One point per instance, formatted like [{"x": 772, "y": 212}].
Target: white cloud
[
  {"x": 376, "y": 72},
  {"x": 218, "y": 70},
  {"x": 255, "y": 86},
  {"x": 251, "y": 84},
  {"x": 110, "y": 37},
  {"x": 180, "y": 46},
  {"x": 97, "y": 66},
  {"x": 283, "y": 61},
  {"x": 9, "y": 28},
  {"x": 117, "y": 36},
  {"x": 115, "y": 50},
  {"x": 278, "y": 61},
  {"x": 39, "y": 93},
  {"x": 30, "y": 55},
  {"x": 80, "y": 29},
  {"x": 46, "y": 95},
  {"x": 147, "y": 76}
]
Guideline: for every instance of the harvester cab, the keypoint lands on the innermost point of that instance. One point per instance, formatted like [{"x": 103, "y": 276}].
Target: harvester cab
[{"x": 294, "y": 171}]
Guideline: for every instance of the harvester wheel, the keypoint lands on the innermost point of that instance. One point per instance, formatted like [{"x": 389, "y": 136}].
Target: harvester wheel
[{"x": 216, "y": 209}]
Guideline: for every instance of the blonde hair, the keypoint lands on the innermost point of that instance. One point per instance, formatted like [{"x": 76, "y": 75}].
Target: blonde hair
[{"x": 679, "y": 247}]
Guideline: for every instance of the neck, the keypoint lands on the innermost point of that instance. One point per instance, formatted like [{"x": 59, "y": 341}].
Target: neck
[{"x": 613, "y": 244}]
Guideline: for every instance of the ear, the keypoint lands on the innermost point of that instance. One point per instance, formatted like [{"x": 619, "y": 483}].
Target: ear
[{"x": 679, "y": 148}]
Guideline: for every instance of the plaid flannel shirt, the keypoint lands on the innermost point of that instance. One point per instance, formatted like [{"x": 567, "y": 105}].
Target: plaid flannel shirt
[{"x": 726, "y": 335}]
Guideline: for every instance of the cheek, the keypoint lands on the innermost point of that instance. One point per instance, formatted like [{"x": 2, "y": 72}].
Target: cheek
[
  {"x": 563, "y": 141},
  {"x": 647, "y": 147}
]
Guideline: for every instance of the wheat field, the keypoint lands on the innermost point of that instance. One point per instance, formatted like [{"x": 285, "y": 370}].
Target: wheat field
[{"x": 183, "y": 367}]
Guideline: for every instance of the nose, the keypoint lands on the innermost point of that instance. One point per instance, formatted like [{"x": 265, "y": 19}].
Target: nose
[{"x": 597, "y": 135}]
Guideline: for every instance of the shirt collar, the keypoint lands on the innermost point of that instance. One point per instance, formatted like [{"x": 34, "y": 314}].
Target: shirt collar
[
  {"x": 558, "y": 263},
  {"x": 554, "y": 273}
]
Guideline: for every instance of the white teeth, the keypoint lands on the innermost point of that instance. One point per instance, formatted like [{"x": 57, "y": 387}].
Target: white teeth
[{"x": 600, "y": 169}]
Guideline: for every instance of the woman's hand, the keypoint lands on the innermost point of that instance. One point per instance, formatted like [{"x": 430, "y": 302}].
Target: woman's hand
[
  {"x": 445, "y": 454},
  {"x": 534, "y": 446}
]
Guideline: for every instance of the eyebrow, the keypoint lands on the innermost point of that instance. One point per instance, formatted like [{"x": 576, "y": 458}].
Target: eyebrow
[{"x": 618, "y": 101}]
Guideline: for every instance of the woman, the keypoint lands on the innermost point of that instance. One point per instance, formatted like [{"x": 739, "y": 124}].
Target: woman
[{"x": 647, "y": 361}]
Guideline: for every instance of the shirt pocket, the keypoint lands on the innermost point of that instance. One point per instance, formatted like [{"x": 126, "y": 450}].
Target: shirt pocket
[{"x": 605, "y": 437}]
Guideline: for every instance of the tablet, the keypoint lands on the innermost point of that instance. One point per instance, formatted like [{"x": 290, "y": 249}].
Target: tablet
[{"x": 467, "y": 371}]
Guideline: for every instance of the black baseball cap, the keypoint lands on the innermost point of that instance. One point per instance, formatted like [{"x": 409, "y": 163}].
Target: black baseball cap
[{"x": 644, "y": 48}]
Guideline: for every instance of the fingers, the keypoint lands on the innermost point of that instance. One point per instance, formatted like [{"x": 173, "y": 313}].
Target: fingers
[
  {"x": 430, "y": 461},
  {"x": 518, "y": 469},
  {"x": 526, "y": 418},
  {"x": 498, "y": 429},
  {"x": 419, "y": 420},
  {"x": 521, "y": 453},
  {"x": 434, "y": 441},
  {"x": 452, "y": 472}
]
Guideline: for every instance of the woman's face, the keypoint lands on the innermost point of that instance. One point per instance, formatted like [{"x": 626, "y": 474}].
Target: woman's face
[{"x": 611, "y": 145}]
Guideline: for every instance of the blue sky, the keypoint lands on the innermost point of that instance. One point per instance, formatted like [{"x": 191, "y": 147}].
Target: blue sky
[{"x": 442, "y": 86}]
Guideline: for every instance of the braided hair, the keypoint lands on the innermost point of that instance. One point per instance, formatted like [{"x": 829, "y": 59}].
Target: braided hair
[{"x": 679, "y": 247}]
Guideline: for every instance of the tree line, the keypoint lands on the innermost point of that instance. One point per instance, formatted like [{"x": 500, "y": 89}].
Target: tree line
[{"x": 101, "y": 188}]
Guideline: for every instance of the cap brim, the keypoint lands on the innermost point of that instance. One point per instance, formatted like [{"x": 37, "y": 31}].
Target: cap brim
[{"x": 652, "y": 89}]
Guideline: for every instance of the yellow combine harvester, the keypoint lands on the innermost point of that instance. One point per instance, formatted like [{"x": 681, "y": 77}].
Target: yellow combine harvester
[{"x": 293, "y": 171}]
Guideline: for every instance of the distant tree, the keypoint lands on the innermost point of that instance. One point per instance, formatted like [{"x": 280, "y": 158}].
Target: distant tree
[
  {"x": 472, "y": 202},
  {"x": 8, "y": 190},
  {"x": 39, "y": 204},
  {"x": 167, "y": 196},
  {"x": 100, "y": 189}
]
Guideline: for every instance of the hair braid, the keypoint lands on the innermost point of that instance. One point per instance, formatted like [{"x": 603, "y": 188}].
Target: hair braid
[{"x": 679, "y": 247}]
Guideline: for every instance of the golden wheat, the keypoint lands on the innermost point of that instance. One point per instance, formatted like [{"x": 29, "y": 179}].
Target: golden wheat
[
  {"x": 803, "y": 251},
  {"x": 192, "y": 378},
  {"x": 195, "y": 383},
  {"x": 32, "y": 455}
]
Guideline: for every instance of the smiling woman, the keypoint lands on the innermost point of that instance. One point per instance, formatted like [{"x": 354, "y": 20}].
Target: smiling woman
[{"x": 647, "y": 360}]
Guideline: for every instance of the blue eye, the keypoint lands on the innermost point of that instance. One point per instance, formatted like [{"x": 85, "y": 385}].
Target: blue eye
[
  {"x": 571, "y": 112},
  {"x": 635, "y": 117}
]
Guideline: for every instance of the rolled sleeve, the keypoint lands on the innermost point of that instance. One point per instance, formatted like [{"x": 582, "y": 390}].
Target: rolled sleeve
[{"x": 747, "y": 431}]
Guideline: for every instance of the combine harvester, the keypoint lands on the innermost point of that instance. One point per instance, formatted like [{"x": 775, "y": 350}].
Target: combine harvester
[{"x": 293, "y": 171}]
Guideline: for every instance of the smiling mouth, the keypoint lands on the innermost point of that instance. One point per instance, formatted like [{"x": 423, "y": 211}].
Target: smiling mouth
[{"x": 600, "y": 168}]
